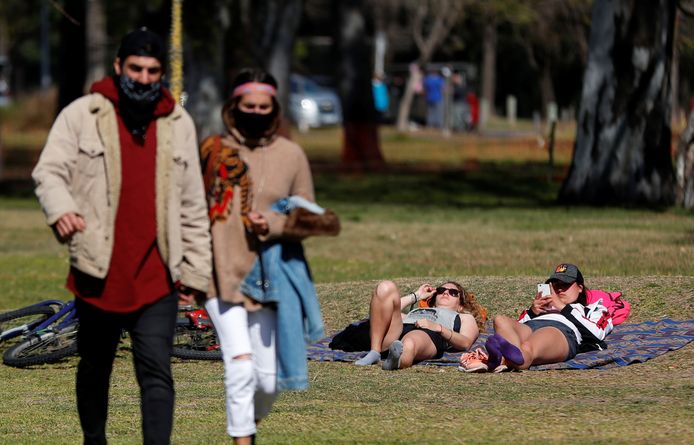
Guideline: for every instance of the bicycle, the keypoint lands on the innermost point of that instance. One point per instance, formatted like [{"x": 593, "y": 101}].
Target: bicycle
[
  {"x": 49, "y": 341},
  {"x": 195, "y": 337},
  {"x": 51, "y": 334},
  {"x": 21, "y": 321}
]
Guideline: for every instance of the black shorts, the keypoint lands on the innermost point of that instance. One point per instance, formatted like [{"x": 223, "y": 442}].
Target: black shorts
[
  {"x": 569, "y": 334},
  {"x": 436, "y": 338}
]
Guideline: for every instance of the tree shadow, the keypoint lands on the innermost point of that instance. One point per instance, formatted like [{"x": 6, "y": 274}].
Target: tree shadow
[{"x": 480, "y": 184}]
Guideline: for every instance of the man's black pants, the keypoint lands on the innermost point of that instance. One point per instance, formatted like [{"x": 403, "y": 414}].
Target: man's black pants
[{"x": 151, "y": 330}]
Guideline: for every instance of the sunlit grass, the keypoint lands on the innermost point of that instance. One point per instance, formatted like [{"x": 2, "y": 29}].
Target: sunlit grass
[{"x": 479, "y": 210}]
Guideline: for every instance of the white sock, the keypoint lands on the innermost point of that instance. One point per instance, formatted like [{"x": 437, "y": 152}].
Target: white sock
[
  {"x": 392, "y": 362},
  {"x": 370, "y": 358}
]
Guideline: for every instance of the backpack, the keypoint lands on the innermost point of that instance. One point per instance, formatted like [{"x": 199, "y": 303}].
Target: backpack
[{"x": 618, "y": 308}]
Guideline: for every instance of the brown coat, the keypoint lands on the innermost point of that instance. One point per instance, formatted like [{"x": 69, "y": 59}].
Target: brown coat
[{"x": 277, "y": 170}]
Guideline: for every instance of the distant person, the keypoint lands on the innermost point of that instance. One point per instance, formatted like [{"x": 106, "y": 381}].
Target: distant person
[
  {"x": 553, "y": 329},
  {"x": 474, "y": 106},
  {"x": 119, "y": 181},
  {"x": 380, "y": 95},
  {"x": 433, "y": 91},
  {"x": 461, "y": 118},
  {"x": 262, "y": 300},
  {"x": 450, "y": 320}
]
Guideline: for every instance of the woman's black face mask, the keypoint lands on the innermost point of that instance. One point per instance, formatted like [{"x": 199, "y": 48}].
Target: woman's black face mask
[{"x": 253, "y": 125}]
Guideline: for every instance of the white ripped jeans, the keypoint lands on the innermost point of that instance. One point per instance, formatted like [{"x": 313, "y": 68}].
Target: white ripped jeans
[{"x": 251, "y": 384}]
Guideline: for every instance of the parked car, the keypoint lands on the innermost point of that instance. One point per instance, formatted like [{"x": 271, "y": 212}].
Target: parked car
[{"x": 312, "y": 105}]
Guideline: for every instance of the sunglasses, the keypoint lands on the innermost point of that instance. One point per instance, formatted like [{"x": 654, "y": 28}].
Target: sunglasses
[
  {"x": 451, "y": 292},
  {"x": 560, "y": 286}
]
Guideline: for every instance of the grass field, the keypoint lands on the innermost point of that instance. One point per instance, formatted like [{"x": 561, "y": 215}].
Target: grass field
[{"x": 476, "y": 210}]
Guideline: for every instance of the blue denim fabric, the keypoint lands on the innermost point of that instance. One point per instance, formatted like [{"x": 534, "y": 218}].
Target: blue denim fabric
[
  {"x": 286, "y": 205},
  {"x": 281, "y": 275}
]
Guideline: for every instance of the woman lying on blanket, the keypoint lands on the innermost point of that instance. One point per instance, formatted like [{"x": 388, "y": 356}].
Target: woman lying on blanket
[
  {"x": 553, "y": 329},
  {"x": 451, "y": 319}
]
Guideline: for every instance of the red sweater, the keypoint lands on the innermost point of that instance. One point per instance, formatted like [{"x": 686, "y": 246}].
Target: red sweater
[{"x": 137, "y": 274}]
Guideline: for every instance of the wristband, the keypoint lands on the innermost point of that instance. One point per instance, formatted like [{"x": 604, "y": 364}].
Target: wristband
[{"x": 416, "y": 297}]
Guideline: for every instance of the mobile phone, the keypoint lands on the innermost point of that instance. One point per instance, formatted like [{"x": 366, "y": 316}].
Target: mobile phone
[{"x": 543, "y": 289}]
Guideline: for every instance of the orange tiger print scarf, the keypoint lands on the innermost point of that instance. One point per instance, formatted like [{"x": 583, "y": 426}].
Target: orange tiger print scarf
[{"x": 223, "y": 169}]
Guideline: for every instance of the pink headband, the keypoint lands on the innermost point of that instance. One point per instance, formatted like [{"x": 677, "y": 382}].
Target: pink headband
[{"x": 254, "y": 87}]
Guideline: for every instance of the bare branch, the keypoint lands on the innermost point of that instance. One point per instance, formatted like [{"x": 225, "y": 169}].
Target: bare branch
[
  {"x": 417, "y": 25},
  {"x": 686, "y": 7},
  {"x": 64, "y": 13}
]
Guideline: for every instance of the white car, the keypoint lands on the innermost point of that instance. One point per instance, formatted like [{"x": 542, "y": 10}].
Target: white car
[{"x": 312, "y": 105}]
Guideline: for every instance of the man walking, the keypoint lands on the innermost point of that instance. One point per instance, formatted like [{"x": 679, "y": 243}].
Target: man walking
[
  {"x": 433, "y": 90},
  {"x": 119, "y": 181}
]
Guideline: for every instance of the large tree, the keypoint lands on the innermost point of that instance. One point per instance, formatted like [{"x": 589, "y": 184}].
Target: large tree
[
  {"x": 684, "y": 159},
  {"x": 361, "y": 146},
  {"x": 622, "y": 150}
]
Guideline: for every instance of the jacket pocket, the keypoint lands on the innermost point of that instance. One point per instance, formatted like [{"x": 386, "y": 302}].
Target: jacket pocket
[{"x": 90, "y": 158}]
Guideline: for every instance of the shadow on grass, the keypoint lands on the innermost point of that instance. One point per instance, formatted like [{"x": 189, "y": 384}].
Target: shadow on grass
[
  {"x": 482, "y": 184},
  {"x": 478, "y": 184}
]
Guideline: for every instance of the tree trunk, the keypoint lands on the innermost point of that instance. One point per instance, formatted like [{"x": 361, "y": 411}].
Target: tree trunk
[
  {"x": 361, "y": 146},
  {"x": 547, "y": 86},
  {"x": 277, "y": 21},
  {"x": 489, "y": 64},
  {"x": 95, "y": 42},
  {"x": 622, "y": 151},
  {"x": 205, "y": 71},
  {"x": 407, "y": 97},
  {"x": 280, "y": 54},
  {"x": 685, "y": 166},
  {"x": 72, "y": 54},
  {"x": 677, "y": 111}
]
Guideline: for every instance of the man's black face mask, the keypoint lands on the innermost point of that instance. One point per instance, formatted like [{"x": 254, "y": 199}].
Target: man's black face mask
[{"x": 139, "y": 93}]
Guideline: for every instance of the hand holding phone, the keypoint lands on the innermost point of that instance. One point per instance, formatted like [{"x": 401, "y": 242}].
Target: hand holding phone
[{"x": 543, "y": 289}]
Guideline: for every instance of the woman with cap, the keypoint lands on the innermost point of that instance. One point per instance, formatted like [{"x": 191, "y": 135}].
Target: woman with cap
[
  {"x": 246, "y": 171},
  {"x": 450, "y": 319},
  {"x": 553, "y": 329}
]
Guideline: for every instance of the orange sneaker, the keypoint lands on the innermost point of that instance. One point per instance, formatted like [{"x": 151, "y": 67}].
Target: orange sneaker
[{"x": 475, "y": 361}]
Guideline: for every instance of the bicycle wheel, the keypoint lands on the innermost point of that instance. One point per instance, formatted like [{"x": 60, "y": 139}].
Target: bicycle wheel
[
  {"x": 193, "y": 343},
  {"x": 47, "y": 347},
  {"x": 21, "y": 321}
]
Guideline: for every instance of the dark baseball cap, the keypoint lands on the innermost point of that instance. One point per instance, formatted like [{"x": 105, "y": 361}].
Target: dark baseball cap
[
  {"x": 142, "y": 42},
  {"x": 566, "y": 273}
]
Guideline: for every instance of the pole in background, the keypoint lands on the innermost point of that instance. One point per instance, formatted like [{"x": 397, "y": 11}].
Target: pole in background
[
  {"x": 46, "y": 79},
  {"x": 176, "y": 52}
]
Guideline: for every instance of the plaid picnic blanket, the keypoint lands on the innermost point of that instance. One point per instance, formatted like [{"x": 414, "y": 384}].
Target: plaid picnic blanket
[{"x": 628, "y": 343}]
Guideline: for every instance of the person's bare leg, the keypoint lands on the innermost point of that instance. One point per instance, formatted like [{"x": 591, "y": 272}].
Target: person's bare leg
[
  {"x": 416, "y": 346},
  {"x": 245, "y": 440},
  {"x": 513, "y": 331},
  {"x": 385, "y": 321},
  {"x": 546, "y": 345},
  {"x": 509, "y": 334}
]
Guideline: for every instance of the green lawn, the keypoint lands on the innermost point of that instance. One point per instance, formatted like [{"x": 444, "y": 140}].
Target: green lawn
[{"x": 487, "y": 218}]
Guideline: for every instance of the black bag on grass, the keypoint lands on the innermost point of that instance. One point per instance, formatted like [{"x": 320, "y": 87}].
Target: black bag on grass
[{"x": 354, "y": 337}]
